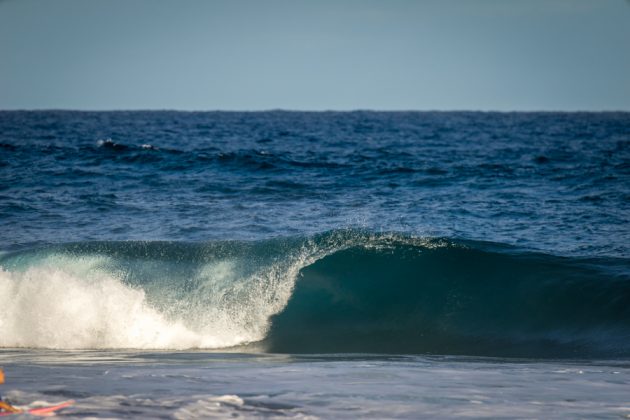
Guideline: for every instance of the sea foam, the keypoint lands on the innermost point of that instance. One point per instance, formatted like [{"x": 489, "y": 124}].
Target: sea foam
[
  {"x": 59, "y": 307},
  {"x": 63, "y": 301}
]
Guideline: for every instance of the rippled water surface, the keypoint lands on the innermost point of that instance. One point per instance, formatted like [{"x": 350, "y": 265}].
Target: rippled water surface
[
  {"x": 552, "y": 181},
  {"x": 316, "y": 265},
  {"x": 191, "y": 385}
]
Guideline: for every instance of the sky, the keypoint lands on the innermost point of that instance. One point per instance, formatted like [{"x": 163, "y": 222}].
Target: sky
[{"x": 505, "y": 55}]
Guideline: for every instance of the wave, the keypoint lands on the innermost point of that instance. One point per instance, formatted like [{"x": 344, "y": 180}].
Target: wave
[
  {"x": 341, "y": 291},
  {"x": 472, "y": 300}
]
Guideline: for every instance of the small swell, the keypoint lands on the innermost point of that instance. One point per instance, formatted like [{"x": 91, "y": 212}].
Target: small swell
[{"x": 111, "y": 145}]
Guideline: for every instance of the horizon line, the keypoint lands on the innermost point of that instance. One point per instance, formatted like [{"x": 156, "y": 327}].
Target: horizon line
[{"x": 287, "y": 110}]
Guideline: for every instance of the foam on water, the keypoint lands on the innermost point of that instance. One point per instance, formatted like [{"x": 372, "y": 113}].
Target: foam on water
[
  {"x": 64, "y": 301},
  {"x": 75, "y": 305}
]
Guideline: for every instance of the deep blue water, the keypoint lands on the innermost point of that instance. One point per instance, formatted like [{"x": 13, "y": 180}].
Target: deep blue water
[
  {"x": 233, "y": 244},
  {"x": 557, "y": 182}
]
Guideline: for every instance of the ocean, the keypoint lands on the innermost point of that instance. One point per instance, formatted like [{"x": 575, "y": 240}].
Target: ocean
[{"x": 161, "y": 264}]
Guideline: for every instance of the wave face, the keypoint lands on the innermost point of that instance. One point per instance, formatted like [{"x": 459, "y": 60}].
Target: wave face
[
  {"x": 343, "y": 291},
  {"x": 470, "y": 299}
]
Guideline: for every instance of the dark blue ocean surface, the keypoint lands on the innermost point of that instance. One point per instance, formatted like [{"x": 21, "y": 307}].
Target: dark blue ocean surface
[
  {"x": 558, "y": 182},
  {"x": 491, "y": 234}
]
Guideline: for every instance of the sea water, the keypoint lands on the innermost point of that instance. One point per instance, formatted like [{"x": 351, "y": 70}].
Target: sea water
[{"x": 316, "y": 265}]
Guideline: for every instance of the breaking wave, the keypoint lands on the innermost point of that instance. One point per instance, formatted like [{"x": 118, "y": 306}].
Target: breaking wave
[{"x": 341, "y": 291}]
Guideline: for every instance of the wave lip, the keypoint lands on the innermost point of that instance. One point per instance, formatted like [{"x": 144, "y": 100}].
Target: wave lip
[{"x": 340, "y": 291}]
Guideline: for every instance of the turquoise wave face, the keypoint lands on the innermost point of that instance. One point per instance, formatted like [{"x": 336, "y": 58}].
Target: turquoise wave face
[
  {"x": 342, "y": 291},
  {"x": 469, "y": 299}
]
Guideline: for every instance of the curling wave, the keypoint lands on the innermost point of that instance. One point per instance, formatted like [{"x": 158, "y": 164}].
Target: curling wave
[{"x": 342, "y": 291}]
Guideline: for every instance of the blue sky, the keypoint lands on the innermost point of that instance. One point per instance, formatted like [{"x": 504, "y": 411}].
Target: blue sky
[{"x": 315, "y": 55}]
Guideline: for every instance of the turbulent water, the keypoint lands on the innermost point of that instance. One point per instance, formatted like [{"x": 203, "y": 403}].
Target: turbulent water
[{"x": 408, "y": 241}]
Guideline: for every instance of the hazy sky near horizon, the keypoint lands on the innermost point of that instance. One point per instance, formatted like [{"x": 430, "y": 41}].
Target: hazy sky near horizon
[{"x": 315, "y": 55}]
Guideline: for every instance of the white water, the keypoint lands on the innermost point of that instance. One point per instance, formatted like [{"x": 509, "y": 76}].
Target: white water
[
  {"x": 80, "y": 307},
  {"x": 64, "y": 302}
]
